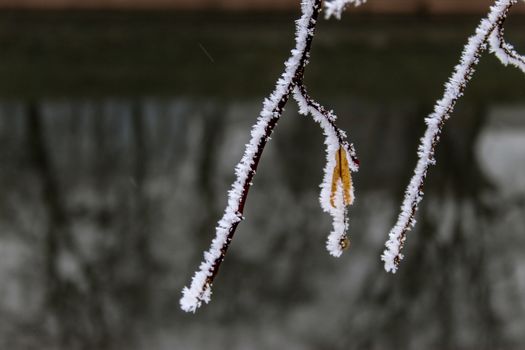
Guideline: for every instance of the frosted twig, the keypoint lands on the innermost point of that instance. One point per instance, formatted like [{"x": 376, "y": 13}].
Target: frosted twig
[
  {"x": 444, "y": 107},
  {"x": 200, "y": 289},
  {"x": 335, "y": 138},
  {"x": 326, "y": 118},
  {"x": 336, "y": 7},
  {"x": 505, "y": 51}
]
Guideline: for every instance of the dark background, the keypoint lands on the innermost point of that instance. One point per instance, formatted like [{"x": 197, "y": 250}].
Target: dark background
[{"x": 119, "y": 131}]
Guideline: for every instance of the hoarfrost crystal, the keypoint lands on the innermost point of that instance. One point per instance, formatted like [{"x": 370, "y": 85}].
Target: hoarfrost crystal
[{"x": 336, "y": 7}]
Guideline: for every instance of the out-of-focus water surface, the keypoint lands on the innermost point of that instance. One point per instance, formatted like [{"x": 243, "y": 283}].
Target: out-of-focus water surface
[{"x": 118, "y": 137}]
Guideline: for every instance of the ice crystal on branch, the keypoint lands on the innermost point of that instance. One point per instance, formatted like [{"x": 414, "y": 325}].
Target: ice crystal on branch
[{"x": 336, "y": 7}]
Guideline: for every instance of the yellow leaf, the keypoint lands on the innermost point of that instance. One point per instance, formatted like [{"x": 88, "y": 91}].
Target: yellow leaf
[
  {"x": 346, "y": 177},
  {"x": 341, "y": 172}
]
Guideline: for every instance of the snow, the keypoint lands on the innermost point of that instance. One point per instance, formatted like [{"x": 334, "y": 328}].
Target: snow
[
  {"x": 435, "y": 121},
  {"x": 336, "y": 7}
]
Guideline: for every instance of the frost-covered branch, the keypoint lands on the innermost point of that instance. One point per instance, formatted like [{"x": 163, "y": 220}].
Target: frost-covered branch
[
  {"x": 444, "y": 107},
  {"x": 505, "y": 51},
  {"x": 336, "y": 7},
  {"x": 337, "y": 192},
  {"x": 200, "y": 289}
]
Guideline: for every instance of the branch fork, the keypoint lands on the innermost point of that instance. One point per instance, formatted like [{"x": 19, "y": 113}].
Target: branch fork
[{"x": 290, "y": 82}]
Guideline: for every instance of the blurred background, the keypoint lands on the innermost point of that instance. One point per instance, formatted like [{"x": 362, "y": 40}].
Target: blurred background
[{"x": 121, "y": 122}]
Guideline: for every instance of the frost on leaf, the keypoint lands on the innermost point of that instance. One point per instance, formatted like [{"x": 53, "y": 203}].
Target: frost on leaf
[
  {"x": 337, "y": 192},
  {"x": 340, "y": 196}
]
